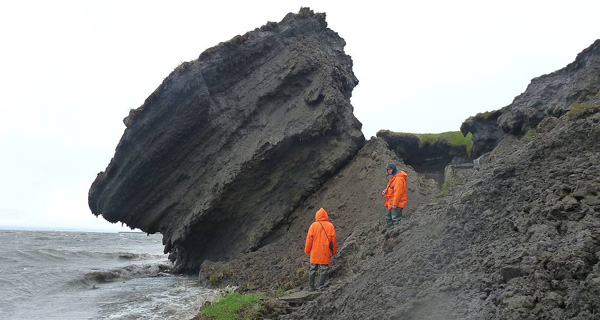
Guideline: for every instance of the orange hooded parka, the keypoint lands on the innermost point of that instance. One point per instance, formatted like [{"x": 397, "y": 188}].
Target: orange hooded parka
[
  {"x": 317, "y": 240},
  {"x": 395, "y": 191}
]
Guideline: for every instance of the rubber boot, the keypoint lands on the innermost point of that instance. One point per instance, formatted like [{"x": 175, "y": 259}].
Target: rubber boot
[
  {"x": 311, "y": 282},
  {"x": 323, "y": 276},
  {"x": 311, "y": 277},
  {"x": 388, "y": 218},
  {"x": 396, "y": 216}
]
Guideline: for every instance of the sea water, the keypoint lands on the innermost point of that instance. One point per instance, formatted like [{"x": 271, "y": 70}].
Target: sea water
[{"x": 87, "y": 275}]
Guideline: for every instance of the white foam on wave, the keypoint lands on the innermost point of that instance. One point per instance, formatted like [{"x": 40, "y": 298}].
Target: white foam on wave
[
  {"x": 177, "y": 297},
  {"x": 72, "y": 276},
  {"x": 90, "y": 279}
]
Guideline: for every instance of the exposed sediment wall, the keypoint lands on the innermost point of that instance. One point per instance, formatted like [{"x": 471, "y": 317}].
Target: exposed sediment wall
[{"x": 229, "y": 144}]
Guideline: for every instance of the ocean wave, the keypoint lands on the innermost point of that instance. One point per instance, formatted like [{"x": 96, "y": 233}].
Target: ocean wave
[
  {"x": 91, "y": 279},
  {"x": 136, "y": 256},
  {"x": 64, "y": 255}
]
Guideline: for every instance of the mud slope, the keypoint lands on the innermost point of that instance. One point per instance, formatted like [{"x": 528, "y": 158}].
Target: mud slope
[{"x": 517, "y": 239}]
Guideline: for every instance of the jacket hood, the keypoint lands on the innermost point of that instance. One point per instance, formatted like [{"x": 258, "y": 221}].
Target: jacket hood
[
  {"x": 402, "y": 174},
  {"x": 321, "y": 215},
  {"x": 393, "y": 167}
]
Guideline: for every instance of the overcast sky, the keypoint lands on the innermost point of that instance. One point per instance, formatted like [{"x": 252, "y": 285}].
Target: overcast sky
[{"x": 71, "y": 70}]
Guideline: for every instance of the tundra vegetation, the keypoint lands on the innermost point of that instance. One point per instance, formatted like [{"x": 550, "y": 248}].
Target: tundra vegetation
[
  {"x": 453, "y": 138},
  {"x": 232, "y": 306}
]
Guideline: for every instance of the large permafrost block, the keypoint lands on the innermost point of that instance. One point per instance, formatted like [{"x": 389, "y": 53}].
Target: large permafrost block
[{"x": 219, "y": 155}]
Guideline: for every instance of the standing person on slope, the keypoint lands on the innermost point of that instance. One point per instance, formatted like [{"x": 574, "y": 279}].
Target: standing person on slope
[
  {"x": 394, "y": 195},
  {"x": 320, "y": 245}
]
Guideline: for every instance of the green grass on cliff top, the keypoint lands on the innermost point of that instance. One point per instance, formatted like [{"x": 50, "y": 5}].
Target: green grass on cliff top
[{"x": 454, "y": 138}]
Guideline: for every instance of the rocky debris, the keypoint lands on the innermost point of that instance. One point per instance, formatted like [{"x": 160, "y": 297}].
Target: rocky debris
[
  {"x": 555, "y": 94},
  {"x": 298, "y": 298},
  {"x": 457, "y": 172},
  {"x": 271, "y": 308},
  {"x": 230, "y": 145},
  {"x": 485, "y": 130}
]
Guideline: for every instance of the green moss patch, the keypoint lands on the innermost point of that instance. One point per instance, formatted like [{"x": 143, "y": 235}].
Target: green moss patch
[
  {"x": 232, "y": 306},
  {"x": 448, "y": 184},
  {"x": 486, "y": 116},
  {"x": 531, "y": 133},
  {"x": 582, "y": 110},
  {"x": 132, "y": 114},
  {"x": 453, "y": 138},
  {"x": 217, "y": 272},
  {"x": 395, "y": 134}
]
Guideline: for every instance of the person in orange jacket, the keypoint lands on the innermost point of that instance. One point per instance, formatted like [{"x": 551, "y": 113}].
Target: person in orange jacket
[
  {"x": 320, "y": 244},
  {"x": 394, "y": 195}
]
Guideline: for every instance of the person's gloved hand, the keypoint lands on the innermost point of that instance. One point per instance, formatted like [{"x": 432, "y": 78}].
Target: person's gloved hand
[{"x": 383, "y": 192}]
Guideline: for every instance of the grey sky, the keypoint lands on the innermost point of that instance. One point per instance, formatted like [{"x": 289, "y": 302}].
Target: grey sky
[{"x": 71, "y": 70}]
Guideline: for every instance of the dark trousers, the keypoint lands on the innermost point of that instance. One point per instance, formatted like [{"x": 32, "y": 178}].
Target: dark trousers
[
  {"x": 312, "y": 273},
  {"x": 393, "y": 216}
]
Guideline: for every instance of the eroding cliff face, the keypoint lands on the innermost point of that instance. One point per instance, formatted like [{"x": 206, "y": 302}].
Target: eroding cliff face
[
  {"x": 485, "y": 130},
  {"x": 575, "y": 86},
  {"x": 428, "y": 156},
  {"x": 231, "y": 156},
  {"x": 229, "y": 144},
  {"x": 556, "y": 93}
]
